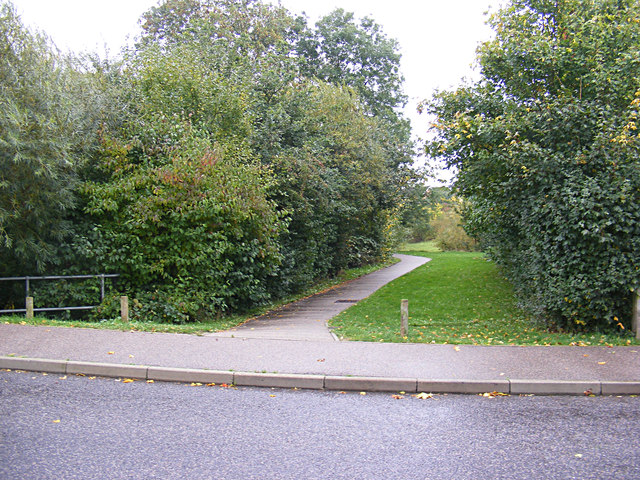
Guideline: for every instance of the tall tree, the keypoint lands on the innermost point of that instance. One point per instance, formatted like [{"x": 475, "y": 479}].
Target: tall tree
[
  {"x": 36, "y": 148},
  {"x": 547, "y": 150},
  {"x": 343, "y": 51}
]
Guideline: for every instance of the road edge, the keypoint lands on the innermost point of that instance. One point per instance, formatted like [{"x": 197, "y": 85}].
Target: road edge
[{"x": 324, "y": 382}]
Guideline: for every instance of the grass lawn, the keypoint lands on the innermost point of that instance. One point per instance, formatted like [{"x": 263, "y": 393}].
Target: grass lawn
[
  {"x": 423, "y": 247},
  {"x": 457, "y": 298},
  {"x": 214, "y": 325}
]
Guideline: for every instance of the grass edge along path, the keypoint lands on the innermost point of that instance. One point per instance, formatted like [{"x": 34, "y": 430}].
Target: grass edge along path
[
  {"x": 457, "y": 298},
  {"x": 199, "y": 328}
]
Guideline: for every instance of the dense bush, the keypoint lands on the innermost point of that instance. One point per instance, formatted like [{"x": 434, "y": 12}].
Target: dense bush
[
  {"x": 449, "y": 233},
  {"x": 547, "y": 148}
]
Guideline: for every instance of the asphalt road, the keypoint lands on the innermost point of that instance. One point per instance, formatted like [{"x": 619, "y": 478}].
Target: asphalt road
[{"x": 56, "y": 427}]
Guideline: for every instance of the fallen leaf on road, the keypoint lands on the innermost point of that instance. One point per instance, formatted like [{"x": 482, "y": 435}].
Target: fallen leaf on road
[
  {"x": 456, "y": 348},
  {"x": 602, "y": 363},
  {"x": 363, "y": 393},
  {"x": 272, "y": 395},
  {"x": 494, "y": 394},
  {"x": 424, "y": 396},
  {"x": 110, "y": 353},
  {"x": 127, "y": 380},
  {"x": 195, "y": 384},
  {"x": 56, "y": 421},
  {"x": 578, "y": 455},
  {"x": 63, "y": 378},
  {"x": 397, "y": 397},
  {"x": 211, "y": 384},
  {"x": 131, "y": 356},
  {"x": 92, "y": 378},
  {"x": 321, "y": 360},
  {"x": 149, "y": 381}
]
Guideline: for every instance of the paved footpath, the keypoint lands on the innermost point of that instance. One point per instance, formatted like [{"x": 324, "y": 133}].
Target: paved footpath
[
  {"x": 321, "y": 363},
  {"x": 307, "y": 319}
]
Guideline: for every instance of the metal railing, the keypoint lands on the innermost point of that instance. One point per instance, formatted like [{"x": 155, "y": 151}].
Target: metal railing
[{"x": 27, "y": 289}]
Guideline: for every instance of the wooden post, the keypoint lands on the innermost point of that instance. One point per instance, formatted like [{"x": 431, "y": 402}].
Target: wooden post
[
  {"x": 404, "y": 314},
  {"x": 29, "y": 307},
  {"x": 635, "y": 318},
  {"x": 124, "y": 309}
]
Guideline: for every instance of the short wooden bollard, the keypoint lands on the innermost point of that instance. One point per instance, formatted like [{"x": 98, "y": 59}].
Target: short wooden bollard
[
  {"x": 124, "y": 309},
  {"x": 404, "y": 317},
  {"x": 635, "y": 318},
  {"x": 29, "y": 307}
]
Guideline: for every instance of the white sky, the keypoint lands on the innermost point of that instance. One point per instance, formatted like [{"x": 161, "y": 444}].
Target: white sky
[{"x": 438, "y": 38}]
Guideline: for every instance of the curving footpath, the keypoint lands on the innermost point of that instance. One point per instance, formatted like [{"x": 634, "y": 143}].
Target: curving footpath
[{"x": 271, "y": 352}]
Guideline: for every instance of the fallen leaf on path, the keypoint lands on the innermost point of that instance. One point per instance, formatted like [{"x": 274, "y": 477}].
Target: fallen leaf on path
[
  {"x": 110, "y": 353},
  {"x": 321, "y": 359},
  {"x": 456, "y": 348}
]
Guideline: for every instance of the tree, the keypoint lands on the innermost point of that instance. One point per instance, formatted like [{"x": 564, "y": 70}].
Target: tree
[
  {"x": 547, "y": 150},
  {"x": 359, "y": 55},
  {"x": 342, "y": 51},
  {"x": 36, "y": 148}
]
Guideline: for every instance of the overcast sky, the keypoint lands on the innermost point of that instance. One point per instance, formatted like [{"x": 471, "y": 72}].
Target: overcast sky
[{"x": 438, "y": 38}]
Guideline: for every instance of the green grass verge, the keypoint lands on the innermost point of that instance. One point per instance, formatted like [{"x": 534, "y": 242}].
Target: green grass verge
[
  {"x": 424, "y": 247},
  {"x": 457, "y": 298},
  {"x": 214, "y": 325}
]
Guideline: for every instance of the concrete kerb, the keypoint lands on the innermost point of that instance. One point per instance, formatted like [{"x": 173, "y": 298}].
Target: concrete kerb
[{"x": 322, "y": 382}]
